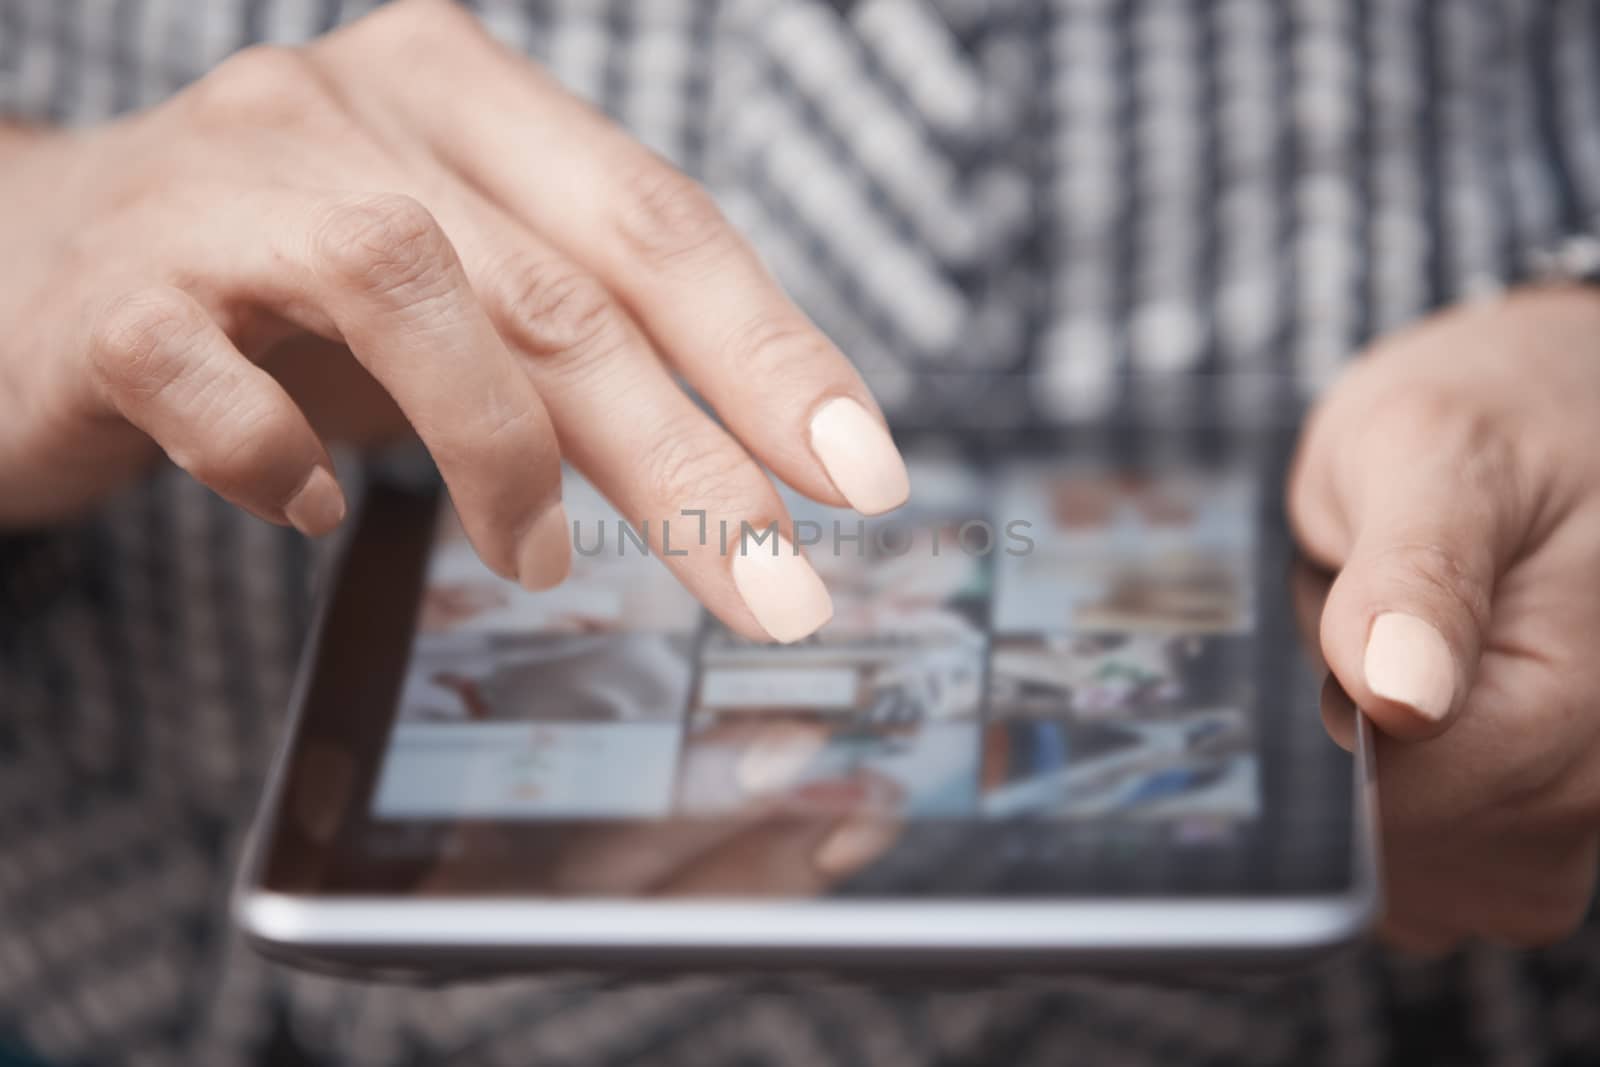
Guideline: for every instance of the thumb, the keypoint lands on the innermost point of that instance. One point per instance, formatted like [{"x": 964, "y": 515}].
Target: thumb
[{"x": 1419, "y": 536}]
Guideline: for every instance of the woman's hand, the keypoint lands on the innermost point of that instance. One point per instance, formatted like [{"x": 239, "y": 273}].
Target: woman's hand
[
  {"x": 518, "y": 276},
  {"x": 1452, "y": 478},
  {"x": 773, "y": 834}
]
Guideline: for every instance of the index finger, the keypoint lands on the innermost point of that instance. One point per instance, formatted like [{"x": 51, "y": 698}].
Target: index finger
[{"x": 659, "y": 243}]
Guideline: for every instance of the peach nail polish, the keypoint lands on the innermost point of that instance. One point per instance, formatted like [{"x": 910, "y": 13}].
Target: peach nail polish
[
  {"x": 318, "y": 506},
  {"x": 1408, "y": 662},
  {"x": 859, "y": 456},
  {"x": 780, "y": 587}
]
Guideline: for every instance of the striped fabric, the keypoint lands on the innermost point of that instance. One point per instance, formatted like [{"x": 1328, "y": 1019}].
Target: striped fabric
[
  {"x": 1134, "y": 203},
  {"x": 1100, "y": 192}
]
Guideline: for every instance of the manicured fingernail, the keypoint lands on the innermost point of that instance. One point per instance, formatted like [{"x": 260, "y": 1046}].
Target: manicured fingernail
[
  {"x": 775, "y": 760},
  {"x": 545, "y": 556},
  {"x": 859, "y": 456},
  {"x": 1408, "y": 662},
  {"x": 779, "y": 587},
  {"x": 853, "y": 845},
  {"x": 318, "y": 506}
]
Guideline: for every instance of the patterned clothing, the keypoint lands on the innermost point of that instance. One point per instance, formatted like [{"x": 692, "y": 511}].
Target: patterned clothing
[{"x": 1137, "y": 204}]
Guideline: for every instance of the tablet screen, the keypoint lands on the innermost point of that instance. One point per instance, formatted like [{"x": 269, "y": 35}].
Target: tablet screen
[
  {"x": 1053, "y": 672},
  {"x": 1066, "y": 642}
]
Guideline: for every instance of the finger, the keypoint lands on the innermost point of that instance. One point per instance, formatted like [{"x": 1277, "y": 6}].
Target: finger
[
  {"x": 707, "y": 509},
  {"x": 1421, "y": 513},
  {"x": 161, "y": 362},
  {"x": 638, "y": 859},
  {"x": 868, "y": 833},
  {"x": 746, "y": 758},
  {"x": 377, "y": 273},
  {"x": 656, "y": 239},
  {"x": 824, "y": 833}
]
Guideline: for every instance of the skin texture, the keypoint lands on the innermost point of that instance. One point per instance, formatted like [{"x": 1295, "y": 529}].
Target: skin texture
[
  {"x": 1451, "y": 475},
  {"x": 404, "y": 228}
]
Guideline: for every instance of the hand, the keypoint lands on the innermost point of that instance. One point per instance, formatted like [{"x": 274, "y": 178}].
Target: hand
[
  {"x": 403, "y": 211},
  {"x": 444, "y": 607},
  {"x": 782, "y": 837},
  {"x": 1452, "y": 480}
]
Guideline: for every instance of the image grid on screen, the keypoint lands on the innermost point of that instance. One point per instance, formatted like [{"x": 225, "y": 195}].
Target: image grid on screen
[{"x": 1053, "y": 640}]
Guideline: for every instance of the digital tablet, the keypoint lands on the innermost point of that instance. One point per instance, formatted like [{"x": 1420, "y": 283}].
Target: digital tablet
[{"x": 1062, "y": 717}]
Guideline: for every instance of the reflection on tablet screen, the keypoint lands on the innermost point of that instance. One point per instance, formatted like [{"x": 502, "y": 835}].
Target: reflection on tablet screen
[{"x": 1055, "y": 642}]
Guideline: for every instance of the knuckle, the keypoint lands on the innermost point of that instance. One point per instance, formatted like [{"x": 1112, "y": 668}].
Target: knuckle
[
  {"x": 666, "y": 217},
  {"x": 1404, "y": 417},
  {"x": 684, "y": 470},
  {"x": 550, "y": 309},
  {"x": 261, "y": 85},
  {"x": 1478, "y": 438},
  {"x": 387, "y": 244},
  {"x": 138, "y": 342},
  {"x": 1441, "y": 573},
  {"x": 776, "y": 346},
  {"x": 1490, "y": 467},
  {"x": 1445, "y": 419}
]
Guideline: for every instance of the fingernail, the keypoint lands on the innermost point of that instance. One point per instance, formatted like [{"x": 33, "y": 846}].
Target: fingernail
[
  {"x": 318, "y": 506},
  {"x": 544, "y": 558},
  {"x": 1408, "y": 662},
  {"x": 779, "y": 587},
  {"x": 853, "y": 845},
  {"x": 775, "y": 760},
  {"x": 859, "y": 456}
]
